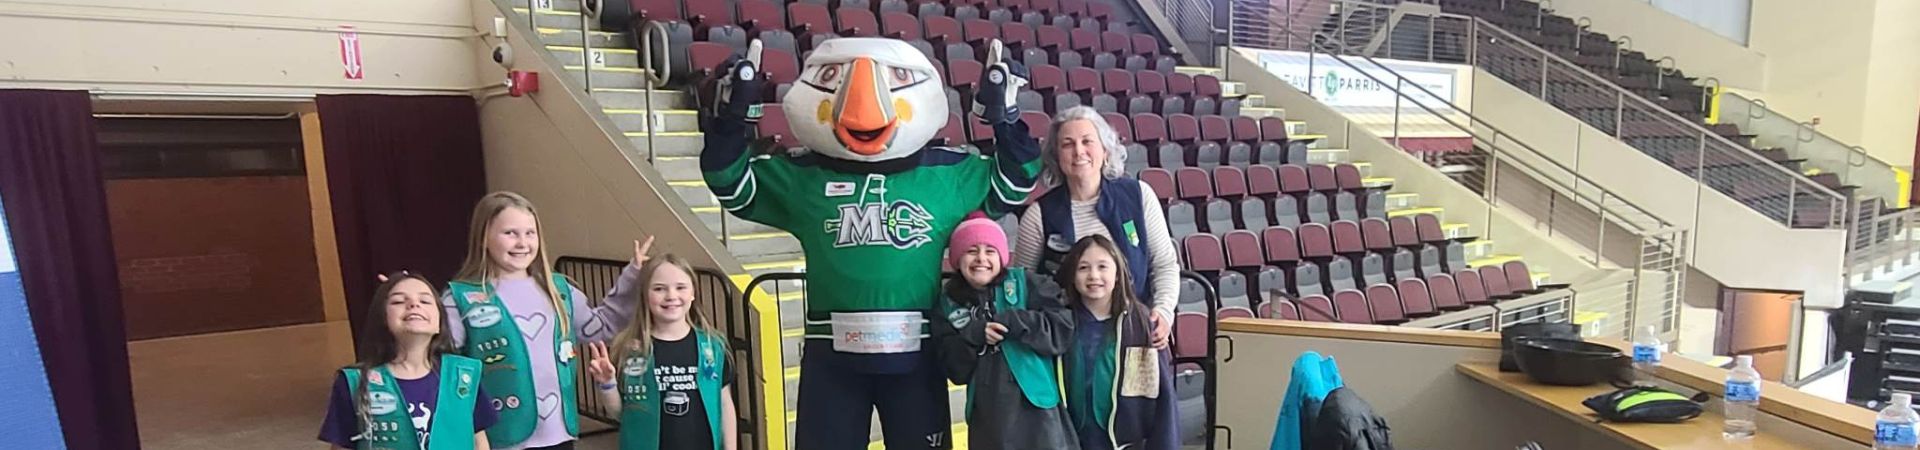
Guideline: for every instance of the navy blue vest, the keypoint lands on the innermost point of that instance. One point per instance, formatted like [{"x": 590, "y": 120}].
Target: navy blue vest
[{"x": 1118, "y": 208}]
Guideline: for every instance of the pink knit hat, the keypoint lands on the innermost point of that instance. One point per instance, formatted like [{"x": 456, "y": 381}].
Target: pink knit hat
[{"x": 975, "y": 230}]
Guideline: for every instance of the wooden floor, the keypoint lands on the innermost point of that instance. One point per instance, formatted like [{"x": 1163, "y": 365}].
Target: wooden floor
[{"x": 246, "y": 389}]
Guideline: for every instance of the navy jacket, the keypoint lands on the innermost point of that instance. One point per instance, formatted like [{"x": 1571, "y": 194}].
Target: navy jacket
[{"x": 1138, "y": 423}]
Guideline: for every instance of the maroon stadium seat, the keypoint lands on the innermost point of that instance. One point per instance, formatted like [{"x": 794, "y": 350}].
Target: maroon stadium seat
[
  {"x": 1203, "y": 253},
  {"x": 1243, "y": 249},
  {"x": 1346, "y": 176},
  {"x": 1180, "y": 84},
  {"x": 1350, "y": 306},
  {"x": 1229, "y": 182},
  {"x": 1273, "y": 129},
  {"x": 1206, "y": 86},
  {"x": 1051, "y": 39},
  {"x": 1282, "y": 247},
  {"x": 975, "y": 31},
  {"x": 1496, "y": 281},
  {"x": 762, "y": 15},
  {"x": 1377, "y": 234},
  {"x": 1316, "y": 241},
  {"x": 1215, "y": 128},
  {"x": 1518, "y": 277},
  {"x": 1321, "y": 177},
  {"x": 1149, "y": 128},
  {"x": 1047, "y": 79},
  {"x": 1160, "y": 180},
  {"x": 1083, "y": 80},
  {"x": 1245, "y": 129},
  {"x": 1194, "y": 183},
  {"x": 1190, "y": 335},
  {"x": 1145, "y": 44},
  {"x": 1017, "y": 35},
  {"x": 1346, "y": 237},
  {"x": 1428, "y": 226},
  {"x": 1404, "y": 234},
  {"x": 1150, "y": 83},
  {"x": 1281, "y": 309},
  {"x": 963, "y": 73},
  {"x": 1293, "y": 179},
  {"x": 706, "y": 14},
  {"x": 773, "y": 126},
  {"x": 705, "y": 57},
  {"x": 899, "y": 25},
  {"x": 954, "y": 133},
  {"x": 1446, "y": 293},
  {"x": 803, "y": 18},
  {"x": 779, "y": 67},
  {"x": 1116, "y": 42},
  {"x": 1472, "y": 291},
  {"x": 656, "y": 10},
  {"x": 1120, "y": 125},
  {"x": 1118, "y": 82},
  {"x": 940, "y": 30},
  {"x": 1414, "y": 297},
  {"x": 1084, "y": 41},
  {"x": 855, "y": 23},
  {"x": 1036, "y": 123},
  {"x": 1384, "y": 302},
  {"x": 1316, "y": 308},
  {"x": 1262, "y": 180},
  {"x": 1183, "y": 128}
]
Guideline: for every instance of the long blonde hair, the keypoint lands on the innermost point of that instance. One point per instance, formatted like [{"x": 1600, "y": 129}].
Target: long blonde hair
[
  {"x": 478, "y": 268},
  {"x": 638, "y": 336}
]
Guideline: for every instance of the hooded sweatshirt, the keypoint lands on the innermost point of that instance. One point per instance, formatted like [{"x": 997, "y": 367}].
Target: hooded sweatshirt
[
  {"x": 1002, "y": 411},
  {"x": 1104, "y": 416}
]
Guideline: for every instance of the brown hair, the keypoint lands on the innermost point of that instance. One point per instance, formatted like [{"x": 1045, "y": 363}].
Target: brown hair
[
  {"x": 1123, "y": 295},
  {"x": 479, "y": 265},
  {"x": 639, "y": 331},
  {"x": 378, "y": 346}
]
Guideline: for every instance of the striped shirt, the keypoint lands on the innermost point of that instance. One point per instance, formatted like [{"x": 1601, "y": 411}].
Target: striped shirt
[{"x": 1163, "y": 264}]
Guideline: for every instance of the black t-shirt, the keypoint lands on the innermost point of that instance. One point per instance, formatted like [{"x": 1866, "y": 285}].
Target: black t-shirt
[{"x": 683, "y": 418}]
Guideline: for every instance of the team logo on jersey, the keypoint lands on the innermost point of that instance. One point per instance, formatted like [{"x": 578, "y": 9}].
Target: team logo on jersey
[{"x": 873, "y": 220}]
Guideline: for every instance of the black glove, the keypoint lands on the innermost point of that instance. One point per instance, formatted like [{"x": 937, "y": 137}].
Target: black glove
[
  {"x": 1000, "y": 84},
  {"x": 739, "y": 88}
]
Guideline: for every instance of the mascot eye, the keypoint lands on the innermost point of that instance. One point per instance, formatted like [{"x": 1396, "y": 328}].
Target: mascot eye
[
  {"x": 901, "y": 78},
  {"x": 828, "y": 76}
]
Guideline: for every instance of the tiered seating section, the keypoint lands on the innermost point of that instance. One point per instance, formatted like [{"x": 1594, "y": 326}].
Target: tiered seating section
[{"x": 1670, "y": 88}]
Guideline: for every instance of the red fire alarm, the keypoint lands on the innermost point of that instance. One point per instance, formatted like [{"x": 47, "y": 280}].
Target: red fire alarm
[{"x": 521, "y": 83}]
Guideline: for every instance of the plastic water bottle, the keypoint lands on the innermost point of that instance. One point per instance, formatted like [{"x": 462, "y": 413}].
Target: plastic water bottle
[
  {"x": 1647, "y": 349},
  {"x": 1742, "y": 399},
  {"x": 1894, "y": 430}
]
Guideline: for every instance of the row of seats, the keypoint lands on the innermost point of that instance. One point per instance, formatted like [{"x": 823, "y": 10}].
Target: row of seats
[
  {"x": 1405, "y": 299},
  {"x": 1231, "y": 198}
]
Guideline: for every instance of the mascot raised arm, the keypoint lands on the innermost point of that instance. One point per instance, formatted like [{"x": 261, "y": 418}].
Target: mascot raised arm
[{"x": 872, "y": 205}]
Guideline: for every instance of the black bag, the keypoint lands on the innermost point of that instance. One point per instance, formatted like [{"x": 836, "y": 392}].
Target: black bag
[
  {"x": 1547, "y": 330},
  {"x": 1646, "y": 404}
]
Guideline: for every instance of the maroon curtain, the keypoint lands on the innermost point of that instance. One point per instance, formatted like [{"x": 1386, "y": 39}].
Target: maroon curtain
[
  {"x": 404, "y": 172},
  {"x": 56, "y": 206}
]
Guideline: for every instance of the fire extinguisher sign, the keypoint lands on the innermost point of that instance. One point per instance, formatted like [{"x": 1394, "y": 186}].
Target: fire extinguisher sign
[{"x": 350, "y": 53}]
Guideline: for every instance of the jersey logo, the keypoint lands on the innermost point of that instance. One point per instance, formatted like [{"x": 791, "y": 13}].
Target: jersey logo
[
  {"x": 839, "y": 189},
  {"x": 875, "y": 221}
]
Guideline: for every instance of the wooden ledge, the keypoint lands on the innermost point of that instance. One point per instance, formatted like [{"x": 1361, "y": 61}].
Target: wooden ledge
[
  {"x": 1840, "y": 419},
  {"x": 1378, "y": 333}
]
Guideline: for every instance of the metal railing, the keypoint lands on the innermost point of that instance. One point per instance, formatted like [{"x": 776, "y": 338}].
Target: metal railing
[
  {"x": 1563, "y": 202},
  {"x": 1802, "y": 141},
  {"x": 1419, "y": 32},
  {"x": 718, "y": 300}
]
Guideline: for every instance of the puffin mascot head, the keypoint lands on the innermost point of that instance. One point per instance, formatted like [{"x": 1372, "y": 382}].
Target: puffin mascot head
[{"x": 867, "y": 101}]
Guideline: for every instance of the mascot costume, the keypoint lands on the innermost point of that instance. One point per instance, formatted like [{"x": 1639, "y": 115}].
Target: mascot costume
[{"x": 872, "y": 205}]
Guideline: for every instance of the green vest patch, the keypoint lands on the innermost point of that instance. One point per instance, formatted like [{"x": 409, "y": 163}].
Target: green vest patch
[
  {"x": 391, "y": 428},
  {"x": 494, "y": 338}
]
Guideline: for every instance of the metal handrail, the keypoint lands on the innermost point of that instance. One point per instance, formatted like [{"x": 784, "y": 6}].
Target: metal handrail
[
  {"x": 1663, "y": 112},
  {"x": 1492, "y": 147}
]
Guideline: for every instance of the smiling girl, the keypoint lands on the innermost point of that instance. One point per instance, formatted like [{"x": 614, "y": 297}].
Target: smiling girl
[
  {"x": 522, "y": 320},
  {"x": 409, "y": 390},
  {"x": 671, "y": 381}
]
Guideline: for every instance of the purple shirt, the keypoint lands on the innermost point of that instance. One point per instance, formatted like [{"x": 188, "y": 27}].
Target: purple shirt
[
  {"x": 343, "y": 419},
  {"x": 534, "y": 314}
]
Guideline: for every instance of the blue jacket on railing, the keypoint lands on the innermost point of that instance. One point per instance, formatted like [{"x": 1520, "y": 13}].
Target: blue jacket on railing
[{"x": 1313, "y": 377}]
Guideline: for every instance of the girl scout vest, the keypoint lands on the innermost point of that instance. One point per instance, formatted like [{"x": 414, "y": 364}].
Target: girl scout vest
[
  {"x": 494, "y": 338},
  {"x": 640, "y": 395},
  {"x": 390, "y": 425},
  {"x": 1034, "y": 373},
  {"x": 1118, "y": 207}
]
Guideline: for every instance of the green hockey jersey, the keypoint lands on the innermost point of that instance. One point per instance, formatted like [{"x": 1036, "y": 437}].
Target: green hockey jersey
[{"x": 873, "y": 241}]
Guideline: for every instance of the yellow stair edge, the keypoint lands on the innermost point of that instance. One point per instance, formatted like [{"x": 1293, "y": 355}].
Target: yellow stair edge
[
  {"x": 705, "y": 209},
  {"x": 1306, "y": 137},
  {"x": 753, "y": 236},
  {"x": 577, "y": 49},
  {"x": 1492, "y": 260},
  {"x": 665, "y": 134},
  {"x": 1196, "y": 69},
  {"x": 1375, "y": 181},
  {"x": 549, "y": 11},
  {"x": 1539, "y": 278},
  {"x": 545, "y": 30},
  {"x": 1392, "y": 195},
  {"x": 688, "y": 112},
  {"x": 1587, "y": 317},
  {"x": 687, "y": 183},
  {"x": 608, "y": 69},
  {"x": 774, "y": 264},
  {"x": 1415, "y": 211},
  {"x": 1450, "y": 226}
]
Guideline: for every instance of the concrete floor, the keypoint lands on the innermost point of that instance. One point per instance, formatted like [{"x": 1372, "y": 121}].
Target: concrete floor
[{"x": 247, "y": 389}]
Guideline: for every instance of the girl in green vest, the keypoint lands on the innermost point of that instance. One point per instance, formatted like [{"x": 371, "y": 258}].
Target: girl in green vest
[
  {"x": 522, "y": 320},
  {"x": 668, "y": 369},
  {"x": 409, "y": 391},
  {"x": 1000, "y": 336}
]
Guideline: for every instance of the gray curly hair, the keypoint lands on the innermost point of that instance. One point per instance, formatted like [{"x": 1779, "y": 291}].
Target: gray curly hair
[{"x": 1116, "y": 163}]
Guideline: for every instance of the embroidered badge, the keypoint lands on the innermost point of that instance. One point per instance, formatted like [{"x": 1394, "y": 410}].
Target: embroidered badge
[
  {"x": 1133, "y": 236},
  {"x": 477, "y": 297},
  {"x": 839, "y": 188}
]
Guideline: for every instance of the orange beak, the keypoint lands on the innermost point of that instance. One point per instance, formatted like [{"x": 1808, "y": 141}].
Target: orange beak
[{"x": 865, "y": 120}]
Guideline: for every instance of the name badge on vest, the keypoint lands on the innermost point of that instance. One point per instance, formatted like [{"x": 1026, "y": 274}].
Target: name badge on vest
[
  {"x": 877, "y": 332},
  {"x": 1133, "y": 235},
  {"x": 1059, "y": 243}
]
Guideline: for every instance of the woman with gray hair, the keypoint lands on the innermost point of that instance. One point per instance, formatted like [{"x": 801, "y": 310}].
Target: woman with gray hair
[{"x": 1083, "y": 167}]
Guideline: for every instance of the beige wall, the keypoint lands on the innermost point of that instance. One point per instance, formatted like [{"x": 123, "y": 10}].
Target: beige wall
[
  {"x": 236, "y": 46},
  {"x": 1893, "y": 84},
  {"x": 1699, "y": 51},
  {"x": 556, "y": 148},
  {"x": 1725, "y": 232}
]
